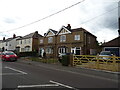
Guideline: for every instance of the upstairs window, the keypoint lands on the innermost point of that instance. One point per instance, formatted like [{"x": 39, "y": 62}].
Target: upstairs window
[
  {"x": 41, "y": 40},
  {"x": 50, "y": 39},
  {"x": 89, "y": 40},
  {"x": 63, "y": 38},
  {"x": 77, "y": 37}
]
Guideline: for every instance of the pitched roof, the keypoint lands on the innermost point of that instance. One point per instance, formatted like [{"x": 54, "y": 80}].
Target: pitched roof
[
  {"x": 52, "y": 31},
  {"x": 113, "y": 43},
  {"x": 76, "y": 30},
  {"x": 81, "y": 29},
  {"x": 9, "y": 39},
  {"x": 63, "y": 27},
  {"x": 32, "y": 35}
]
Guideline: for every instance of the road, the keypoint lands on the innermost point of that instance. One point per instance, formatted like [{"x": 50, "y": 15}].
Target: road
[{"x": 23, "y": 74}]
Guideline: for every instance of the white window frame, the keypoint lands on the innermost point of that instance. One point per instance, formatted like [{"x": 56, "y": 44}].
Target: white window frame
[
  {"x": 41, "y": 40},
  {"x": 62, "y": 38},
  {"x": 50, "y": 39},
  {"x": 77, "y": 37},
  {"x": 49, "y": 50},
  {"x": 62, "y": 50},
  {"x": 74, "y": 49}
]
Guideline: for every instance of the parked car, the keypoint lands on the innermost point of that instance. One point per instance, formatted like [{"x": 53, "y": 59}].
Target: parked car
[
  {"x": 105, "y": 54},
  {"x": 9, "y": 56}
]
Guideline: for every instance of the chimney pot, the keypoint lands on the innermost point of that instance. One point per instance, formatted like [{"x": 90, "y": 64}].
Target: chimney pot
[
  {"x": 14, "y": 36},
  {"x": 69, "y": 26},
  {"x": 3, "y": 38}
]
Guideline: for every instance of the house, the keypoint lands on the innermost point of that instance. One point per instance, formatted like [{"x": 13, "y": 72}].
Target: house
[
  {"x": 113, "y": 46},
  {"x": 48, "y": 44},
  {"x": 9, "y": 44},
  {"x": 28, "y": 42},
  {"x": 1, "y": 45},
  {"x": 76, "y": 41}
]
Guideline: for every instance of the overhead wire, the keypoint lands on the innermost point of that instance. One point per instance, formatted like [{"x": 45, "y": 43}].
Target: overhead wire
[{"x": 46, "y": 16}]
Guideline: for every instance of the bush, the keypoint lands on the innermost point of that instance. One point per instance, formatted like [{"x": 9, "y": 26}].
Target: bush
[
  {"x": 26, "y": 54},
  {"x": 65, "y": 60}
]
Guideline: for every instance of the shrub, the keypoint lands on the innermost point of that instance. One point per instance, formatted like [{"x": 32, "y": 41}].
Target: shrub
[
  {"x": 26, "y": 54},
  {"x": 65, "y": 60}
]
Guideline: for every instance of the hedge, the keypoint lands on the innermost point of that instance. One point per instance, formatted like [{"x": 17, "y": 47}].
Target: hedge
[{"x": 26, "y": 54}]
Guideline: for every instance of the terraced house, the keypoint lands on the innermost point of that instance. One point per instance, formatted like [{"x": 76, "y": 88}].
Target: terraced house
[{"x": 76, "y": 41}]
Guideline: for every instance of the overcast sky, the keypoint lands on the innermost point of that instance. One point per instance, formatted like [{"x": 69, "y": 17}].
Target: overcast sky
[{"x": 100, "y": 17}]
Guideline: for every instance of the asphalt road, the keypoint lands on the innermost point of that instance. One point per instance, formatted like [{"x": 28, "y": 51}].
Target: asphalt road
[{"x": 23, "y": 74}]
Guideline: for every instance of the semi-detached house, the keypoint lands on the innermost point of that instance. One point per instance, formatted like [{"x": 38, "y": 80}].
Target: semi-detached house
[
  {"x": 28, "y": 42},
  {"x": 76, "y": 41}
]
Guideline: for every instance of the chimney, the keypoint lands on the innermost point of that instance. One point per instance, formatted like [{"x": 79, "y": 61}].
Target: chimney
[
  {"x": 119, "y": 27},
  {"x": 14, "y": 36},
  {"x": 36, "y": 32},
  {"x": 69, "y": 27},
  {"x": 3, "y": 38}
]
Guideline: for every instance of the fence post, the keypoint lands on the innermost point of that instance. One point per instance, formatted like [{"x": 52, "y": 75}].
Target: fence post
[
  {"x": 97, "y": 62},
  {"x": 114, "y": 62},
  {"x": 71, "y": 60}
]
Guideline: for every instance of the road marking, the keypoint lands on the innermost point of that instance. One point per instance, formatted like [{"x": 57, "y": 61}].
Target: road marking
[
  {"x": 16, "y": 70},
  {"x": 11, "y": 74},
  {"x": 44, "y": 85},
  {"x": 83, "y": 74},
  {"x": 60, "y": 84}
]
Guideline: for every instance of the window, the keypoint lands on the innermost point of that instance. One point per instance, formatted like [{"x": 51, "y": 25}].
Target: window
[
  {"x": 25, "y": 41},
  {"x": 63, "y": 50},
  {"x": 89, "y": 41},
  {"x": 21, "y": 42},
  {"x": 50, "y": 39},
  {"x": 76, "y": 50},
  {"x": 27, "y": 48},
  {"x": 29, "y": 41},
  {"x": 77, "y": 37},
  {"x": 63, "y": 38},
  {"x": 49, "y": 50},
  {"x": 41, "y": 41},
  {"x": 6, "y": 43}
]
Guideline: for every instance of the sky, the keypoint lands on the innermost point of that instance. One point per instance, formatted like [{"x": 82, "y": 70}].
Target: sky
[{"x": 99, "y": 17}]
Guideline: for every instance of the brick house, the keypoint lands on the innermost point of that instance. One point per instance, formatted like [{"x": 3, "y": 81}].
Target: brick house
[
  {"x": 76, "y": 41},
  {"x": 48, "y": 43},
  {"x": 28, "y": 42}
]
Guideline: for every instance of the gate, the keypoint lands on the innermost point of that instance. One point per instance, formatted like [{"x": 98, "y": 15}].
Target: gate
[{"x": 111, "y": 63}]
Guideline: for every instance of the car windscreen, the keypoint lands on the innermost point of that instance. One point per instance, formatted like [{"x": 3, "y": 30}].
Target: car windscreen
[
  {"x": 9, "y": 53},
  {"x": 105, "y": 53}
]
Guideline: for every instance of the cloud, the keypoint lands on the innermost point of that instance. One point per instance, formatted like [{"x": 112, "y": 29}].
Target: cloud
[
  {"x": 93, "y": 15},
  {"x": 9, "y": 20}
]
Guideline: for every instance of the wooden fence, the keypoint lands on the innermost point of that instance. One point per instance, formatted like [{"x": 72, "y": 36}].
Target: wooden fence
[{"x": 111, "y": 63}]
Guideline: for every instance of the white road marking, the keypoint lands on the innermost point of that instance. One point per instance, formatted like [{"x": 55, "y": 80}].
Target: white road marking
[
  {"x": 44, "y": 85},
  {"x": 11, "y": 74},
  {"x": 60, "y": 84},
  {"x": 16, "y": 70},
  {"x": 83, "y": 74}
]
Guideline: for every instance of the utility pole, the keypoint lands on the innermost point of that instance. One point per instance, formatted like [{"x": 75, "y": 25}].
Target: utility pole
[{"x": 119, "y": 18}]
